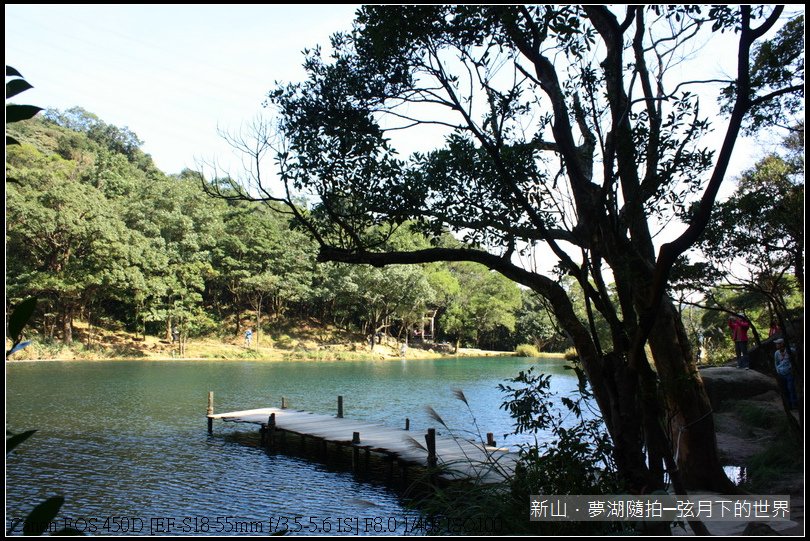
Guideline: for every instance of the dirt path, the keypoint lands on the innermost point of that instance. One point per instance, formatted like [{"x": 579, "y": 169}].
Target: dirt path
[{"x": 749, "y": 419}]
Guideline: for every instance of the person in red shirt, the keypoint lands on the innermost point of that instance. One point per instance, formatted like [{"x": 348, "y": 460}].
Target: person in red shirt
[{"x": 739, "y": 333}]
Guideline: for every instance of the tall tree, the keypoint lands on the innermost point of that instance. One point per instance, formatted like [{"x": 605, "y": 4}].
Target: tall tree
[
  {"x": 484, "y": 303},
  {"x": 761, "y": 226},
  {"x": 755, "y": 245},
  {"x": 71, "y": 247},
  {"x": 563, "y": 128},
  {"x": 537, "y": 326}
]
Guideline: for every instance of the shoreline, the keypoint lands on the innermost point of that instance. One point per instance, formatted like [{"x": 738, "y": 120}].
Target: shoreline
[
  {"x": 557, "y": 356},
  {"x": 280, "y": 355},
  {"x": 298, "y": 345},
  {"x": 285, "y": 344}
]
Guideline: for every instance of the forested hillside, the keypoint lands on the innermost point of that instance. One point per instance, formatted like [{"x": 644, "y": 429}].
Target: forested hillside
[{"x": 100, "y": 235}]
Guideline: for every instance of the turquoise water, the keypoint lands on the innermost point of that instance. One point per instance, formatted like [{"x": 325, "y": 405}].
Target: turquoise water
[{"x": 128, "y": 439}]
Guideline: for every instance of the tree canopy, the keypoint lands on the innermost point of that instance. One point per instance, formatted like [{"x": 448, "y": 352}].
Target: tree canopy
[
  {"x": 100, "y": 235},
  {"x": 562, "y": 127}
]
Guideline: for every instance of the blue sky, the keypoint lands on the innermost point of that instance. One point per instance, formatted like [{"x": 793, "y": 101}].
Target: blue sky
[
  {"x": 172, "y": 74},
  {"x": 175, "y": 74}
]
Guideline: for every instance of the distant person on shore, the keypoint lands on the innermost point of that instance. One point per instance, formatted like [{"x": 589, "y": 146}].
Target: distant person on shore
[
  {"x": 739, "y": 333},
  {"x": 403, "y": 349},
  {"x": 784, "y": 372},
  {"x": 175, "y": 334},
  {"x": 248, "y": 337},
  {"x": 775, "y": 329}
]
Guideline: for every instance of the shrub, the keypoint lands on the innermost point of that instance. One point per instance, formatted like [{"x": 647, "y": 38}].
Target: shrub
[
  {"x": 573, "y": 456},
  {"x": 526, "y": 350},
  {"x": 777, "y": 460}
]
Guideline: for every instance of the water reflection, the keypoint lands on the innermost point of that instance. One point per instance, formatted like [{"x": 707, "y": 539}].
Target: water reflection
[
  {"x": 129, "y": 439},
  {"x": 737, "y": 474}
]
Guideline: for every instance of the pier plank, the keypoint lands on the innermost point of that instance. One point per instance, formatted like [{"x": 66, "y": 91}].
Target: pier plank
[{"x": 459, "y": 458}]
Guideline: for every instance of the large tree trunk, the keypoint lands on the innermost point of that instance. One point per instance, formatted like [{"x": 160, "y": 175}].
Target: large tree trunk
[
  {"x": 67, "y": 325},
  {"x": 686, "y": 420},
  {"x": 692, "y": 430},
  {"x": 615, "y": 388},
  {"x": 258, "y": 318}
]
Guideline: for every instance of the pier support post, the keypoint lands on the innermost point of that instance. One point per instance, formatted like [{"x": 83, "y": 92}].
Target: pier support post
[
  {"x": 389, "y": 469},
  {"x": 490, "y": 439},
  {"x": 430, "y": 439},
  {"x": 271, "y": 431},
  {"x": 340, "y": 407},
  {"x": 407, "y": 424},
  {"x": 210, "y": 412},
  {"x": 355, "y": 451},
  {"x": 366, "y": 462},
  {"x": 283, "y": 403}
]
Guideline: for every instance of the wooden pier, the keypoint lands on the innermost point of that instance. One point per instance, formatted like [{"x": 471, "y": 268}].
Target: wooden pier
[{"x": 447, "y": 458}]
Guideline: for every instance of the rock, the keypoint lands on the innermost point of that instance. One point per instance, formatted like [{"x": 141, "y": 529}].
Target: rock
[
  {"x": 725, "y": 383},
  {"x": 759, "y": 528}
]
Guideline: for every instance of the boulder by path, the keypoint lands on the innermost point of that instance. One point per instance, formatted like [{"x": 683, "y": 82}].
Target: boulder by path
[
  {"x": 735, "y": 392},
  {"x": 731, "y": 383}
]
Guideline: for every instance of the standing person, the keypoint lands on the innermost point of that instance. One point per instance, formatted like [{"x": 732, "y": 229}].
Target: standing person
[
  {"x": 402, "y": 349},
  {"x": 248, "y": 337},
  {"x": 784, "y": 372},
  {"x": 775, "y": 330},
  {"x": 739, "y": 333},
  {"x": 176, "y": 340}
]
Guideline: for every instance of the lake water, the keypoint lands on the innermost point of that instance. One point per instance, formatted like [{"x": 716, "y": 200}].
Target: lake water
[{"x": 128, "y": 439}]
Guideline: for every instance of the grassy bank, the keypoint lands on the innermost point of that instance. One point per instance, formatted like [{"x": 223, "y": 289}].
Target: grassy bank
[{"x": 305, "y": 343}]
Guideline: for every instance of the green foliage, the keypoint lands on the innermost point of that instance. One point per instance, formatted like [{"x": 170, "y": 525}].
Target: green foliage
[
  {"x": 536, "y": 324},
  {"x": 486, "y": 302},
  {"x": 762, "y": 222},
  {"x": 777, "y": 64},
  {"x": 14, "y": 112},
  {"x": 117, "y": 140},
  {"x": 100, "y": 234},
  {"x": 576, "y": 458},
  {"x": 784, "y": 455},
  {"x": 68, "y": 237},
  {"x": 754, "y": 250},
  {"x": 41, "y": 517},
  {"x": 754, "y": 415}
]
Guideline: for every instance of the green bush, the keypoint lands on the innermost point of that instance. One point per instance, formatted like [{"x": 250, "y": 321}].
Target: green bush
[
  {"x": 571, "y": 354},
  {"x": 574, "y": 456},
  {"x": 526, "y": 350},
  {"x": 755, "y": 415},
  {"x": 776, "y": 461}
]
